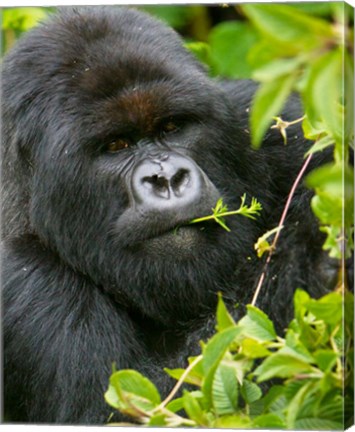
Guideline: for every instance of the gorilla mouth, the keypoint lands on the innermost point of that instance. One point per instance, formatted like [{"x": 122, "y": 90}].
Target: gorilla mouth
[
  {"x": 181, "y": 242},
  {"x": 163, "y": 226}
]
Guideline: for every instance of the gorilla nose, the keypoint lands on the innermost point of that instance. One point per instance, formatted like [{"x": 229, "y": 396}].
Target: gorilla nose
[{"x": 168, "y": 181}]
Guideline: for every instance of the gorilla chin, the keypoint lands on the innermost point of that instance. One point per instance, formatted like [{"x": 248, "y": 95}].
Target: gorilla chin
[{"x": 183, "y": 243}]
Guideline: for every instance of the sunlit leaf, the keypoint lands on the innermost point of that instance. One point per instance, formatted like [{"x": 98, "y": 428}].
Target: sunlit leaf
[
  {"x": 268, "y": 102},
  {"x": 225, "y": 390}
]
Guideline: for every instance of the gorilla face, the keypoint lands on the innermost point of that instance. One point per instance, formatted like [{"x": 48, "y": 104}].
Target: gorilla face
[{"x": 128, "y": 147}]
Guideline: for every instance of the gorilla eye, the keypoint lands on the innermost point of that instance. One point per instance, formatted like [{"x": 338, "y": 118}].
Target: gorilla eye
[
  {"x": 117, "y": 145},
  {"x": 169, "y": 127}
]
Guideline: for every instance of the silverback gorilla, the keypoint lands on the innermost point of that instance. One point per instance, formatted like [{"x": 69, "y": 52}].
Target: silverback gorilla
[{"x": 114, "y": 136}]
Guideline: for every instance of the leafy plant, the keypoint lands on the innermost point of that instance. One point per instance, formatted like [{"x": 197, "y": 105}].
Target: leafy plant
[
  {"x": 312, "y": 56},
  {"x": 228, "y": 374},
  {"x": 221, "y": 211}
]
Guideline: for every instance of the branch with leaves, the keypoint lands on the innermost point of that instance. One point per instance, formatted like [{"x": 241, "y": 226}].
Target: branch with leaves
[{"x": 220, "y": 211}]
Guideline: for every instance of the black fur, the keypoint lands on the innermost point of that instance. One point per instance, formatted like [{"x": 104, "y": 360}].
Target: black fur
[{"x": 92, "y": 274}]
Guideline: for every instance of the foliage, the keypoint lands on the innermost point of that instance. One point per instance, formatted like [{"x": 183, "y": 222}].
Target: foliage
[
  {"x": 18, "y": 20},
  {"x": 226, "y": 380},
  {"x": 221, "y": 211}
]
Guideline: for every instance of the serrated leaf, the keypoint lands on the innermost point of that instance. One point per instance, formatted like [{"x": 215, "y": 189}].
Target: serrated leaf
[
  {"x": 286, "y": 25},
  {"x": 193, "y": 408},
  {"x": 317, "y": 424},
  {"x": 213, "y": 353},
  {"x": 250, "y": 391},
  {"x": 328, "y": 308},
  {"x": 324, "y": 91},
  {"x": 225, "y": 390},
  {"x": 275, "y": 400},
  {"x": 268, "y": 102},
  {"x": 253, "y": 349},
  {"x": 131, "y": 392},
  {"x": 297, "y": 402},
  {"x": 224, "y": 319},
  {"x": 216, "y": 347},
  {"x": 320, "y": 145},
  {"x": 281, "y": 366},
  {"x": 267, "y": 421},
  {"x": 257, "y": 325},
  {"x": 296, "y": 348}
]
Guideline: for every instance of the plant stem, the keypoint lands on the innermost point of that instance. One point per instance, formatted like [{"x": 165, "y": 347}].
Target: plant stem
[{"x": 281, "y": 223}]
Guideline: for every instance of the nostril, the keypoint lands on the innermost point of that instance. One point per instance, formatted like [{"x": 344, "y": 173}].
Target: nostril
[
  {"x": 158, "y": 184},
  {"x": 180, "y": 181}
]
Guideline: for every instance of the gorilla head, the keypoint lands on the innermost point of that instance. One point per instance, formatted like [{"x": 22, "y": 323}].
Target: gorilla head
[{"x": 115, "y": 139}]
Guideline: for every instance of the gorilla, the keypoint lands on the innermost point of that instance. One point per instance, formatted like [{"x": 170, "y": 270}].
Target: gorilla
[{"x": 114, "y": 138}]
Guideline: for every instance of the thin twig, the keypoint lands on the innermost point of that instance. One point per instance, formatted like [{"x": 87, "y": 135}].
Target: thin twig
[
  {"x": 179, "y": 383},
  {"x": 281, "y": 223}
]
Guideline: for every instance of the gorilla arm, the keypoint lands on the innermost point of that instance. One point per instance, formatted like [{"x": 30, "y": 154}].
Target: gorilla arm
[{"x": 58, "y": 372}]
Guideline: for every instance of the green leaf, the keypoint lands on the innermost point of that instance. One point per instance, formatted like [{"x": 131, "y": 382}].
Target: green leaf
[
  {"x": 225, "y": 390},
  {"x": 268, "y": 102},
  {"x": 324, "y": 92},
  {"x": 276, "y": 68},
  {"x": 132, "y": 393},
  {"x": 201, "y": 51},
  {"x": 331, "y": 242},
  {"x": 325, "y": 359},
  {"x": 333, "y": 178},
  {"x": 297, "y": 403},
  {"x": 213, "y": 353},
  {"x": 22, "y": 18},
  {"x": 250, "y": 391},
  {"x": 253, "y": 349},
  {"x": 193, "y": 408},
  {"x": 320, "y": 145},
  {"x": 270, "y": 420},
  {"x": 348, "y": 97},
  {"x": 175, "y": 405},
  {"x": 328, "y": 208},
  {"x": 317, "y": 424},
  {"x": 300, "y": 299},
  {"x": 112, "y": 398},
  {"x": 315, "y": 130},
  {"x": 191, "y": 378},
  {"x": 230, "y": 43},
  {"x": 216, "y": 347},
  {"x": 275, "y": 400},
  {"x": 281, "y": 366},
  {"x": 224, "y": 319},
  {"x": 289, "y": 26},
  {"x": 157, "y": 420},
  {"x": 295, "y": 347},
  {"x": 236, "y": 421},
  {"x": 257, "y": 325},
  {"x": 328, "y": 308}
]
